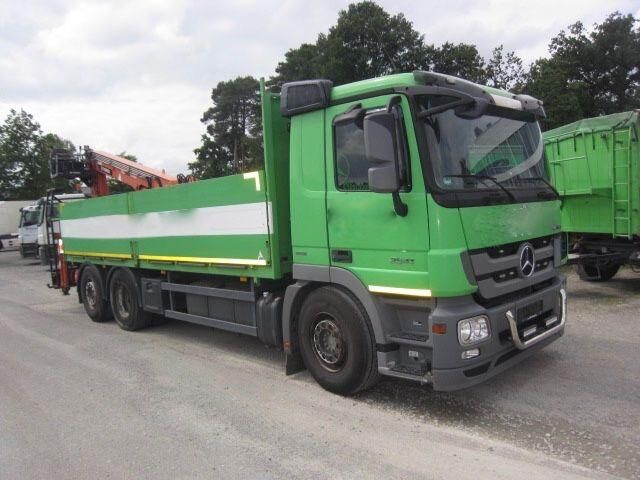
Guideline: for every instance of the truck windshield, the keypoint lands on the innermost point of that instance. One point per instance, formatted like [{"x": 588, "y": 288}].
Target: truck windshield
[
  {"x": 502, "y": 145},
  {"x": 29, "y": 217}
]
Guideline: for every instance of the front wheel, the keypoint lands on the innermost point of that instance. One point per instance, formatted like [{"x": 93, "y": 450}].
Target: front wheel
[
  {"x": 593, "y": 273},
  {"x": 123, "y": 295},
  {"x": 336, "y": 341}
]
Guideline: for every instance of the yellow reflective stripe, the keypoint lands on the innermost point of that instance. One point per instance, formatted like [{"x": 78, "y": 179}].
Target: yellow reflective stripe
[
  {"x": 409, "y": 292},
  {"x": 223, "y": 261},
  {"x": 125, "y": 256}
]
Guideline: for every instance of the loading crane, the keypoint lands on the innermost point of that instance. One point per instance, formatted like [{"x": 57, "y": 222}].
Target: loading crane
[{"x": 94, "y": 168}]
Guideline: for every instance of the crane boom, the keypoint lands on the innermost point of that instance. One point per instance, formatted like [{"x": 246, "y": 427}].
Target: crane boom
[{"x": 95, "y": 167}]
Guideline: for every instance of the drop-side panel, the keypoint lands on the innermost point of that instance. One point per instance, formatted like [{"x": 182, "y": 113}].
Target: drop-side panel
[{"x": 220, "y": 225}]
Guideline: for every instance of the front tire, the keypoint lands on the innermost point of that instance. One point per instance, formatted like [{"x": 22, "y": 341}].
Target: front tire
[
  {"x": 336, "y": 341},
  {"x": 92, "y": 295},
  {"x": 123, "y": 295}
]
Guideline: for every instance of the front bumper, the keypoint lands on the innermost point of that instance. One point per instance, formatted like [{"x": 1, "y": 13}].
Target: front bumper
[
  {"x": 29, "y": 249},
  {"x": 512, "y": 338}
]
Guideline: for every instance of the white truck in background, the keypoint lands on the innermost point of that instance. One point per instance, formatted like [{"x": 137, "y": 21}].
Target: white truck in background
[
  {"x": 28, "y": 230},
  {"x": 9, "y": 223}
]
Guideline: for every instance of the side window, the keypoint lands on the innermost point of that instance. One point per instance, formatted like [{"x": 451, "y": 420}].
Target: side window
[{"x": 351, "y": 164}]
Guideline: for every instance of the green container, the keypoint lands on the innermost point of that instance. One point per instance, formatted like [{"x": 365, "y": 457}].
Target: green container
[{"x": 593, "y": 163}]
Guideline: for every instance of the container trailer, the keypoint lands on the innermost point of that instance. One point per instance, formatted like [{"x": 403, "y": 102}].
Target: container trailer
[{"x": 593, "y": 163}]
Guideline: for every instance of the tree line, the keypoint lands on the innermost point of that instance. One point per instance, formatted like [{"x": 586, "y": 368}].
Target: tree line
[
  {"x": 25, "y": 150},
  {"x": 24, "y": 157},
  {"x": 588, "y": 72}
]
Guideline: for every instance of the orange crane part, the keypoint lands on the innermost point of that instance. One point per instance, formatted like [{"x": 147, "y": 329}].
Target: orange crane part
[{"x": 103, "y": 165}]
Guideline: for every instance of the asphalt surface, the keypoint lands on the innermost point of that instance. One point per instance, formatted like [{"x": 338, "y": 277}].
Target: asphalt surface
[{"x": 86, "y": 400}]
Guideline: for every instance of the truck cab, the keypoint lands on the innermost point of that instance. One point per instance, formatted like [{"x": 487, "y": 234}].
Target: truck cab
[
  {"x": 427, "y": 196},
  {"x": 28, "y": 230}
]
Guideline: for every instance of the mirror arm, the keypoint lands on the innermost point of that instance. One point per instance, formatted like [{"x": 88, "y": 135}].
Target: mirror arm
[
  {"x": 393, "y": 101},
  {"x": 399, "y": 206}
]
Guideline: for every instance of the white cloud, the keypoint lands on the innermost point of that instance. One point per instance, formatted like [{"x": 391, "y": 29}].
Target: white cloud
[
  {"x": 159, "y": 124},
  {"x": 136, "y": 75}
]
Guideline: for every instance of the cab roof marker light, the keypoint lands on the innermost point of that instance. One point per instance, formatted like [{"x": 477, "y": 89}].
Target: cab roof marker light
[
  {"x": 409, "y": 292},
  {"x": 507, "y": 102}
]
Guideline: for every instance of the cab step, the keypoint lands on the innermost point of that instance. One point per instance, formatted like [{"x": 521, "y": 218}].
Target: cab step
[
  {"x": 415, "y": 373},
  {"x": 415, "y": 370},
  {"x": 405, "y": 338}
]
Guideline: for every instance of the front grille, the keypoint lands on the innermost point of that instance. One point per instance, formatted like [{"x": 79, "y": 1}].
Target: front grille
[{"x": 497, "y": 269}]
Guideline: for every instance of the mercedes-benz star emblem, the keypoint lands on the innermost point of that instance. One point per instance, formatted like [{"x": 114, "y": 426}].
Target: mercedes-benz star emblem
[{"x": 527, "y": 260}]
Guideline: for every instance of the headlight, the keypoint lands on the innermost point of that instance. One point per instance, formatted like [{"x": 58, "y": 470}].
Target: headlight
[{"x": 473, "y": 330}]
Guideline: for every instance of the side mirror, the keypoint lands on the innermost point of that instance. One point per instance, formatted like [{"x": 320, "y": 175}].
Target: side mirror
[{"x": 381, "y": 148}]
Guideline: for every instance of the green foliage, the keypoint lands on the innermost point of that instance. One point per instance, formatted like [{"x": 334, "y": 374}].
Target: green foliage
[
  {"x": 462, "y": 60},
  {"x": 365, "y": 42},
  {"x": 505, "y": 70},
  {"x": 24, "y": 157},
  {"x": 589, "y": 74},
  {"x": 234, "y": 125},
  {"x": 212, "y": 160},
  {"x": 299, "y": 64}
]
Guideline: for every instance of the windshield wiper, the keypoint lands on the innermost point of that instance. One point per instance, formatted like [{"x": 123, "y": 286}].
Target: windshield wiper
[
  {"x": 486, "y": 177},
  {"x": 540, "y": 179}
]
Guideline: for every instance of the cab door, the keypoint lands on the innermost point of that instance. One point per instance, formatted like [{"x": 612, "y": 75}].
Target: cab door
[{"x": 365, "y": 234}]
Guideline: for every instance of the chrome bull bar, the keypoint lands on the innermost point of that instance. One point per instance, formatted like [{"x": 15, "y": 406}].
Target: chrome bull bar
[{"x": 524, "y": 344}]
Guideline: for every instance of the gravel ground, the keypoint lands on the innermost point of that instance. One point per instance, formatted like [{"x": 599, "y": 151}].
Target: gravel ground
[{"x": 85, "y": 400}]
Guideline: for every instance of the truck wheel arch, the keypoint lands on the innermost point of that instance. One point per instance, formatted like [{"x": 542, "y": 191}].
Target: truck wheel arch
[{"x": 309, "y": 278}]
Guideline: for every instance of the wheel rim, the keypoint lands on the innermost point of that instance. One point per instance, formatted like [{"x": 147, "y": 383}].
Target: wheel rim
[
  {"x": 91, "y": 294},
  {"x": 328, "y": 343},
  {"x": 122, "y": 300}
]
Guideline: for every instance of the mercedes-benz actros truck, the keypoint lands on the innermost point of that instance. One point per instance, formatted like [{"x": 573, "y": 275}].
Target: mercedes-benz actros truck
[{"x": 401, "y": 226}]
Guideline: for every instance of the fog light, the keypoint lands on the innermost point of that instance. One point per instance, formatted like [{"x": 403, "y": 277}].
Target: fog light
[
  {"x": 473, "y": 353},
  {"x": 473, "y": 330}
]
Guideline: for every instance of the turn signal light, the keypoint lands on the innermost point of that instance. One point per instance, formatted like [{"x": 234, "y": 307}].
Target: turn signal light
[{"x": 439, "y": 328}]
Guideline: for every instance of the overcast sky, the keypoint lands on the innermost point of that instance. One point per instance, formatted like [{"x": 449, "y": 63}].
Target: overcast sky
[{"x": 136, "y": 75}]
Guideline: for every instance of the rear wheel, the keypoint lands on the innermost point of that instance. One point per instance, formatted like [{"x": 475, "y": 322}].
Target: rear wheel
[
  {"x": 336, "y": 341},
  {"x": 92, "y": 295},
  {"x": 124, "y": 302},
  {"x": 593, "y": 273}
]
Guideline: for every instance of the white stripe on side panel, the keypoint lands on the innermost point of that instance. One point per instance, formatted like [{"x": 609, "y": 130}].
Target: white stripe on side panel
[{"x": 242, "y": 219}]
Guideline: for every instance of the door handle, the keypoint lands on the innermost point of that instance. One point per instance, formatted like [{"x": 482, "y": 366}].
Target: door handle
[{"x": 343, "y": 256}]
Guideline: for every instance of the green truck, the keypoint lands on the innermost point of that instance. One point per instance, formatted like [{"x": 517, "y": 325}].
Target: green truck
[
  {"x": 401, "y": 226},
  {"x": 594, "y": 165}
]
